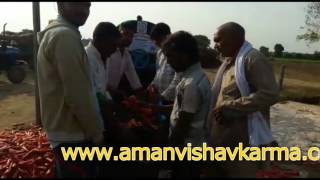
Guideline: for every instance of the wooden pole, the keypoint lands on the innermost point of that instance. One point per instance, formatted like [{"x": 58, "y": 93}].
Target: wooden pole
[
  {"x": 36, "y": 29},
  {"x": 283, "y": 67}
]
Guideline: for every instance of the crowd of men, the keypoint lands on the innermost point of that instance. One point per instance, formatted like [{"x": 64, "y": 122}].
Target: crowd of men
[{"x": 80, "y": 88}]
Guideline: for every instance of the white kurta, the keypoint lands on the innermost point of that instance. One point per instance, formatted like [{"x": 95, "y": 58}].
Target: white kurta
[
  {"x": 98, "y": 70},
  {"x": 117, "y": 66}
]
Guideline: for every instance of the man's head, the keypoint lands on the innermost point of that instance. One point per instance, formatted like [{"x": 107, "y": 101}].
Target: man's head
[
  {"x": 229, "y": 39},
  {"x": 139, "y": 18},
  {"x": 181, "y": 50},
  {"x": 127, "y": 33},
  {"x": 159, "y": 33},
  {"x": 75, "y": 12},
  {"x": 106, "y": 37}
]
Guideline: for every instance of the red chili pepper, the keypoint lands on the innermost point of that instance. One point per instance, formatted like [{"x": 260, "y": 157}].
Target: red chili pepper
[
  {"x": 13, "y": 151},
  {"x": 49, "y": 172},
  {"x": 3, "y": 161},
  {"x": 29, "y": 153},
  {"x": 6, "y": 172},
  {"x": 23, "y": 147},
  {"x": 133, "y": 99},
  {"x": 146, "y": 111},
  {"x": 4, "y": 148},
  {"x": 41, "y": 167},
  {"x": 26, "y": 163},
  {"x": 126, "y": 104},
  {"x": 8, "y": 162},
  {"x": 50, "y": 160},
  {"x": 23, "y": 172},
  {"x": 36, "y": 150}
]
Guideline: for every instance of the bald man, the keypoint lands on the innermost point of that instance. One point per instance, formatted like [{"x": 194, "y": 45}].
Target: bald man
[
  {"x": 69, "y": 110},
  {"x": 228, "y": 123}
]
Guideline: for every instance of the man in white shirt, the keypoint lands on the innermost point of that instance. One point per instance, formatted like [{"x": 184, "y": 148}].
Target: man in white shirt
[
  {"x": 105, "y": 40},
  {"x": 166, "y": 79},
  {"x": 121, "y": 73},
  {"x": 192, "y": 101}
]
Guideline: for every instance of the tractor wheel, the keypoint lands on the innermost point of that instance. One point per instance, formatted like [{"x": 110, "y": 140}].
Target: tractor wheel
[{"x": 16, "y": 74}]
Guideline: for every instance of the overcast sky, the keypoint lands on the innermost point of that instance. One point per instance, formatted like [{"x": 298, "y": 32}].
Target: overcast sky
[{"x": 266, "y": 23}]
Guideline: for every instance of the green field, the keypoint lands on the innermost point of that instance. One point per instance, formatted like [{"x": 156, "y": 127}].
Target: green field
[{"x": 286, "y": 60}]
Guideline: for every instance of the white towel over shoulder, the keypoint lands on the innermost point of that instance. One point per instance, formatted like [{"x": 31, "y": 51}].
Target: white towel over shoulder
[{"x": 259, "y": 131}]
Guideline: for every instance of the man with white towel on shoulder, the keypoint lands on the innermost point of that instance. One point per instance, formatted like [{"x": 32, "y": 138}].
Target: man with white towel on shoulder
[{"x": 244, "y": 89}]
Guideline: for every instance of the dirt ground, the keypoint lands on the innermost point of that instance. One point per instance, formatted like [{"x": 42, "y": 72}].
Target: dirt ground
[{"x": 17, "y": 102}]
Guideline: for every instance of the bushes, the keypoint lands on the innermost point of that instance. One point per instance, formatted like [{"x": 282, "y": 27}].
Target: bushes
[
  {"x": 264, "y": 50},
  {"x": 209, "y": 58}
]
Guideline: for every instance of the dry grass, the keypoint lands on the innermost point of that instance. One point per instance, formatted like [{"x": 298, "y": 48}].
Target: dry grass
[{"x": 302, "y": 80}]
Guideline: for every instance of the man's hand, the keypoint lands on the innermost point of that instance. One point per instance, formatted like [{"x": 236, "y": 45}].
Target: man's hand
[
  {"x": 152, "y": 88},
  {"x": 164, "y": 109},
  {"x": 153, "y": 93},
  {"x": 98, "y": 140},
  {"x": 217, "y": 113}
]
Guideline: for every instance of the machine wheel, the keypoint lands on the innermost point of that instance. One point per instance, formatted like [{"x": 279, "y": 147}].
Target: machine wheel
[{"x": 16, "y": 74}]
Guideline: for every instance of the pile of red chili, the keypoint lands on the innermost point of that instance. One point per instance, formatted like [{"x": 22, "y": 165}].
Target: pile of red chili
[
  {"x": 146, "y": 116},
  {"x": 25, "y": 154}
]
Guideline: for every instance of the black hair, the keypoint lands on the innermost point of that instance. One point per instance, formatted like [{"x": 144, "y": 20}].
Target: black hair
[
  {"x": 127, "y": 26},
  {"x": 106, "y": 30},
  {"x": 60, "y": 7},
  {"x": 160, "y": 29},
  {"x": 139, "y": 18},
  {"x": 182, "y": 42}
]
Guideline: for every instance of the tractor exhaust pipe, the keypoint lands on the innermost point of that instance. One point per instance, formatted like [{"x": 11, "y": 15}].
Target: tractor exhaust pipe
[
  {"x": 4, "y": 30},
  {"x": 3, "y": 42}
]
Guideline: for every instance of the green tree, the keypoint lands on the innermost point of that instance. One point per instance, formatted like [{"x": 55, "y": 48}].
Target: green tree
[
  {"x": 316, "y": 55},
  {"x": 312, "y": 24},
  {"x": 203, "y": 41},
  {"x": 278, "y": 50},
  {"x": 264, "y": 50}
]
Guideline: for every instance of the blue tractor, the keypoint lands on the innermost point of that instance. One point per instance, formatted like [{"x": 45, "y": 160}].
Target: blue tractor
[
  {"x": 142, "y": 49},
  {"x": 14, "y": 68}
]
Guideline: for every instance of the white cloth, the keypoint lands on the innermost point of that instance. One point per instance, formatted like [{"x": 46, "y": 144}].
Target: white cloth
[
  {"x": 142, "y": 27},
  {"x": 117, "y": 66},
  {"x": 259, "y": 131},
  {"x": 97, "y": 70},
  {"x": 166, "y": 79}
]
